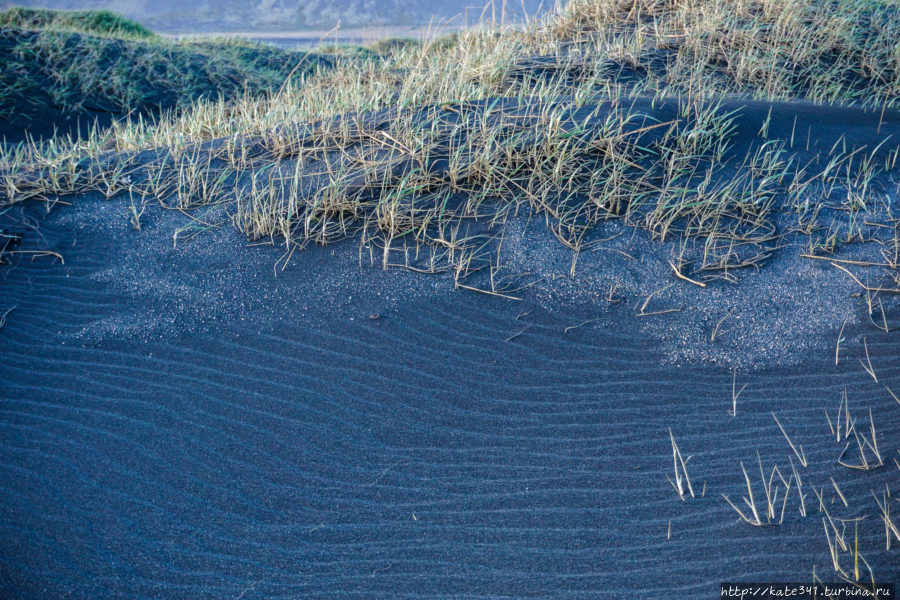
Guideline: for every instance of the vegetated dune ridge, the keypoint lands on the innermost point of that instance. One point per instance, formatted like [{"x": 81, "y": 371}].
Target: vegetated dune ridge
[
  {"x": 184, "y": 421},
  {"x": 783, "y": 198},
  {"x": 233, "y": 15},
  {"x": 64, "y": 72}
]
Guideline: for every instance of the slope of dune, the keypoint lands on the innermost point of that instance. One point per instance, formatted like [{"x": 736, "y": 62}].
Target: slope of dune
[
  {"x": 605, "y": 307},
  {"x": 180, "y": 422}
]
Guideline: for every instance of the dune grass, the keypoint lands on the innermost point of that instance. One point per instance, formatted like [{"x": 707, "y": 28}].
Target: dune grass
[
  {"x": 413, "y": 147},
  {"x": 59, "y": 61},
  {"x": 831, "y": 50},
  {"x": 94, "y": 22}
]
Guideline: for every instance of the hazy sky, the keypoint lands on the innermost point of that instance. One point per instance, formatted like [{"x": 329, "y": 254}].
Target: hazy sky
[{"x": 281, "y": 15}]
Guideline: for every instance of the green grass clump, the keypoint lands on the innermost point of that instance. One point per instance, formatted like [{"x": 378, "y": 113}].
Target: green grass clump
[
  {"x": 96, "y": 22},
  {"x": 57, "y": 69}
]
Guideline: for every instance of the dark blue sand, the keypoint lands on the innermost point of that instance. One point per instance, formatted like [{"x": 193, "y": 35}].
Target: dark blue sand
[{"x": 180, "y": 423}]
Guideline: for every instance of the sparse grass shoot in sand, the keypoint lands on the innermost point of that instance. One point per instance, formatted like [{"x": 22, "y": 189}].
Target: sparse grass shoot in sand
[
  {"x": 735, "y": 393},
  {"x": 682, "y": 481},
  {"x": 800, "y": 492},
  {"x": 869, "y": 457},
  {"x": 866, "y": 443},
  {"x": 772, "y": 487},
  {"x": 868, "y": 364},
  {"x": 891, "y": 531},
  {"x": 843, "y": 415}
]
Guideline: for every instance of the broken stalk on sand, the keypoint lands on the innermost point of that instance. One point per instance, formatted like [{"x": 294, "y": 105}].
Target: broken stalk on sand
[{"x": 801, "y": 456}]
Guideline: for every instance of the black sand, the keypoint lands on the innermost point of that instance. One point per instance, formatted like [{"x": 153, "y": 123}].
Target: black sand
[{"x": 189, "y": 421}]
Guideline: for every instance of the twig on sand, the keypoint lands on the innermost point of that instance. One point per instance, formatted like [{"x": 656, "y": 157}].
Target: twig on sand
[
  {"x": 488, "y": 292},
  {"x": 643, "y": 310},
  {"x": 800, "y": 493},
  {"x": 754, "y": 519},
  {"x": 893, "y": 395},
  {"x": 801, "y": 456},
  {"x": 862, "y": 285},
  {"x": 715, "y": 330},
  {"x": 839, "y": 492},
  {"x": 517, "y": 334},
  {"x": 39, "y": 254},
  {"x": 617, "y": 251},
  {"x": 3, "y": 320},
  {"x": 684, "y": 277},
  {"x": 588, "y": 322},
  {"x": 858, "y": 263},
  {"x": 833, "y": 549},
  {"x": 871, "y": 310}
]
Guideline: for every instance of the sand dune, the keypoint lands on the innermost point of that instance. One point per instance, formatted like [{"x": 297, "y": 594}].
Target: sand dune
[
  {"x": 178, "y": 422},
  {"x": 524, "y": 323}
]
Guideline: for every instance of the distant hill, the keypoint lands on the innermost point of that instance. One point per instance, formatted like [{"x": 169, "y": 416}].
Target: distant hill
[
  {"x": 184, "y": 16},
  {"x": 63, "y": 69}
]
